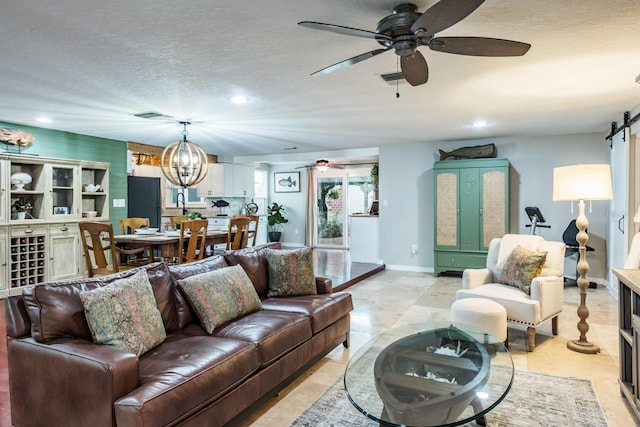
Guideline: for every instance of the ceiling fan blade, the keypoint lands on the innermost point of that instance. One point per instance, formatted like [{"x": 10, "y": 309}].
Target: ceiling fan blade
[
  {"x": 479, "y": 46},
  {"x": 414, "y": 69},
  {"x": 444, "y": 14},
  {"x": 350, "y": 61},
  {"x": 343, "y": 30}
]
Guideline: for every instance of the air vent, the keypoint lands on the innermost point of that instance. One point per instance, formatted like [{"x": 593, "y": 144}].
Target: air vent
[
  {"x": 152, "y": 115},
  {"x": 392, "y": 78}
]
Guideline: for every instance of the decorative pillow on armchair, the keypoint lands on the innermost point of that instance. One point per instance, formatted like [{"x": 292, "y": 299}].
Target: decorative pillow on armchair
[
  {"x": 291, "y": 272},
  {"x": 124, "y": 314},
  {"x": 220, "y": 295},
  {"x": 521, "y": 267}
]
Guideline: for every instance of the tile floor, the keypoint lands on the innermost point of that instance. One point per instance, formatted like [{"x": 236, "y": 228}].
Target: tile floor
[{"x": 393, "y": 298}]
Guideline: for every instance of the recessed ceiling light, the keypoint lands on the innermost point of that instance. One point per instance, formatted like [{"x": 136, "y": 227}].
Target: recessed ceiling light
[
  {"x": 479, "y": 124},
  {"x": 44, "y": 120},
  {"x": 239, "y": 99}
]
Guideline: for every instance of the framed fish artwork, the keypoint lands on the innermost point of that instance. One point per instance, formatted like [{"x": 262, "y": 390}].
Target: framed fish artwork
[{"x": 286, "y": 182}]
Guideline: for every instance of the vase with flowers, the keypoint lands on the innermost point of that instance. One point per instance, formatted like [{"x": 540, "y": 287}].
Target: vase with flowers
[{"x": 22, "y": 207}]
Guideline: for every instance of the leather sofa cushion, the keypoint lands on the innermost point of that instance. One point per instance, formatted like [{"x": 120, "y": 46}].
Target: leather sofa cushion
[
  {"x": 55, "y": 309},
  {"x": 183, "y": 374},
  {"x": 323, "y": 310},
  {"x": 254, "y": 262},
  {"x": 273, "y": 332}
]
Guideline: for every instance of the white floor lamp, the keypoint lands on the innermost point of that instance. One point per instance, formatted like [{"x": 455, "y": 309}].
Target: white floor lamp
[{"x": 582, "y": 182}]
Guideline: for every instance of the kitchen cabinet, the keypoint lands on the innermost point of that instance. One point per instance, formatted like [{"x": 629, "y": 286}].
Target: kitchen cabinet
[
  {"x": 471, "y": 208},
  {"x": 629, "y": 336},
  {"x": 227, "y": 180}
]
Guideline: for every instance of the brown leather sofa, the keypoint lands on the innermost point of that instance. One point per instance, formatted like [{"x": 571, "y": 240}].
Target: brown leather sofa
[{"x": 59, "y": 377}]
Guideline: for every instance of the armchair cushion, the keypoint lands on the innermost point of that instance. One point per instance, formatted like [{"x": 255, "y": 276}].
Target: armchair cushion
[{"x": 521, "y": 266}]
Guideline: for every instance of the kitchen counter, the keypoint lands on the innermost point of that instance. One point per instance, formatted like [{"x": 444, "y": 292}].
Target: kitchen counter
[{"x": 364, "y": 239}]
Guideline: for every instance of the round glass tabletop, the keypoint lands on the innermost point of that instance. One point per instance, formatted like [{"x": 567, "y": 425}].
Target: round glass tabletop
[{"x": 430, "y": 374}]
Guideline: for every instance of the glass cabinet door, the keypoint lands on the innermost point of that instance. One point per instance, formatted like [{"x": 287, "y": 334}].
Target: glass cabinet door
[{"x": 63, "y": 192}]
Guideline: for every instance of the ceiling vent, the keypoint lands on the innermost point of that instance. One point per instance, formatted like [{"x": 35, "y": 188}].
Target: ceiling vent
[{"x": 152, "y": 115}]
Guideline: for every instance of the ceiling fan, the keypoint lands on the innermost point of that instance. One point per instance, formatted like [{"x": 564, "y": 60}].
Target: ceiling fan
[
  {"x": 406, "y": 29},
  {"x": 323, "y": 165}
]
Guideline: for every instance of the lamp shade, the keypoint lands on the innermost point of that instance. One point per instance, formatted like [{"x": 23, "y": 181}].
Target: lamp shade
[
  {"x": 636, "y": 217},
  {"x": 582, "y": 182}
]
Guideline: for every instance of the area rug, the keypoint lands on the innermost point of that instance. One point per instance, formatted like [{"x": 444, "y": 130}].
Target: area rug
[{"x": 535, "y": 399}]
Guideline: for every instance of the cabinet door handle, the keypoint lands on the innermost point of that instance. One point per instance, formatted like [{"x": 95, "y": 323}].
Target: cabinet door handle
[
  {"x": 64, "y": 228},
  {"x": 621, "y": 224},
  {"x": 480, "y": 211},
  {"x": 28, "y": 231}
]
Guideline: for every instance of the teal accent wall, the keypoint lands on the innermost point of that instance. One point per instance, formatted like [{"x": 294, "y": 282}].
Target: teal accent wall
[{"x": 67, "y": 145}]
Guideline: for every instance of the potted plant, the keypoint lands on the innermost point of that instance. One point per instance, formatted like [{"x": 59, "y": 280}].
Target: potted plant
[
  {"x": 275, "y": 219},
  {"x": 22, "y": 207}
]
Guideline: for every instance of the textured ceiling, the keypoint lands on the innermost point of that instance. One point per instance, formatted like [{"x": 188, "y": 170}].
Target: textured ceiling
[{"x": 90, "y": 66}]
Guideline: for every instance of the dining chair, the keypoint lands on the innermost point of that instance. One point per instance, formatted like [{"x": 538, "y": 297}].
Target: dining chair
[
  {"x": 177, "y": 220},
  {"x": 128, "y": 226},
  {"x": 99, "y": 246},
  {"x": 193, "y": 235},
  {"x": 238, "y": 232},
  {"x": 252, "y": 234}
]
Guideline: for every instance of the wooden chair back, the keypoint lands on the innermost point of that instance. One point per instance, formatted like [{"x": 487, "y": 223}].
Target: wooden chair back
[
  {"x": 129, "y": 225},
  {"x": 97, "y": 240},
  {"x": 177, "y": 220},
  {"x": 192, "y": 240},
  {"x": 253, "y": 229},
  {"x": 238, "y": 233}
]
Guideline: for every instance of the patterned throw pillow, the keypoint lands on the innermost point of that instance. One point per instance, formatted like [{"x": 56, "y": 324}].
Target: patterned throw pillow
[
  {"x": 521, "y": 267},
  {"x": 291, "y": 272},
  {"x": 124, "y": 314},
  {"x": 220, "y": 295}
]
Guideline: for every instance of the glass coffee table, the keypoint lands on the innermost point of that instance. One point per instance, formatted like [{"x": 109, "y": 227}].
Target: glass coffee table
[{"x": 431, "y": 374}]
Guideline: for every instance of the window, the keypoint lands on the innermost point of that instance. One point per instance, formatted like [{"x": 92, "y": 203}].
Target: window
[{"x": 192, "y": 200}]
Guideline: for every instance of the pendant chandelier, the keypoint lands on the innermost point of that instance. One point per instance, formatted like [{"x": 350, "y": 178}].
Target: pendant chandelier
[{"x": 184, "y": 163}]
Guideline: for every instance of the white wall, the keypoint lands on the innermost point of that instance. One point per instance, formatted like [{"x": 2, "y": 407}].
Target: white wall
[{"x": 406, "y": 194}]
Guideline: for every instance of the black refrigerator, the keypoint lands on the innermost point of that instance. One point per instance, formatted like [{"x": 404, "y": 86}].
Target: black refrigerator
[{"x": 144, "y": 199}]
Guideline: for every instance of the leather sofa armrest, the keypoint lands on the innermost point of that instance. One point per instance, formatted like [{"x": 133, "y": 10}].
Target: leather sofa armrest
[
  {"x": 323, "y": 285},
  {"x": 82, "y": 378},
  {"x": 476, "y": 277}
]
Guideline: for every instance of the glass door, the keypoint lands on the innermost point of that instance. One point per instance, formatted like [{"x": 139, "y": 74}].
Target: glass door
[{"x": 339, "y": 193}]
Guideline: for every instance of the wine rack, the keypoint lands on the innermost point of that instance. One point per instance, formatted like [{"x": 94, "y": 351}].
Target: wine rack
[{"x": 28, "y": 260}]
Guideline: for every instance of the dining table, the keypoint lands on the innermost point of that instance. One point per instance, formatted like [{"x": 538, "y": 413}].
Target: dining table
[{"x": 167, "y": 242}]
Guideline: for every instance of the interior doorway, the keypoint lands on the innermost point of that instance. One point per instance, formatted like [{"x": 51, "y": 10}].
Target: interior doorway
[{"x": 340, "y": 193}]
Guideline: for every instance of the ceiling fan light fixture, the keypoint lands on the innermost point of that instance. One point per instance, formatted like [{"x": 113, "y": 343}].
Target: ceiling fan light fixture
[
  {"x": 322, "y": 165},
  {"x": 184, "y": 163}
]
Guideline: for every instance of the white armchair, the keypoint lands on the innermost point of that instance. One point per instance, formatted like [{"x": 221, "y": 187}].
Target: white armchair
[{"x": 546, "y": 299}]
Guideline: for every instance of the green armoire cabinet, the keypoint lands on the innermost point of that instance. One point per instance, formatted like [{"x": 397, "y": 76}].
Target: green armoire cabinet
[{"x": 471, "y": 208}]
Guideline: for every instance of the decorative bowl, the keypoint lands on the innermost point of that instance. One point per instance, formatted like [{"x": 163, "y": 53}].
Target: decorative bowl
[
  {"x": 90, "y": 214},
  {"x": 92, "y": 188},
  {"x": 20, "y": 179}
]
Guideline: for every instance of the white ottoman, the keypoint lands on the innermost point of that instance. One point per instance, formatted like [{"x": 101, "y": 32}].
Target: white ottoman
[{"x": 483, "y": 314}]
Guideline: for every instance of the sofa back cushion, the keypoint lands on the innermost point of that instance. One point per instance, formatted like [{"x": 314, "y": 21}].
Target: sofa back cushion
[
  {"x": 254, "y": 262},
  {"x": 55, "y": 309}
]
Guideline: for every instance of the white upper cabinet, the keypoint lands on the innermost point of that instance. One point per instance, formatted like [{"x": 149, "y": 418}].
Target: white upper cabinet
[{"x": 227, "y": 180}]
